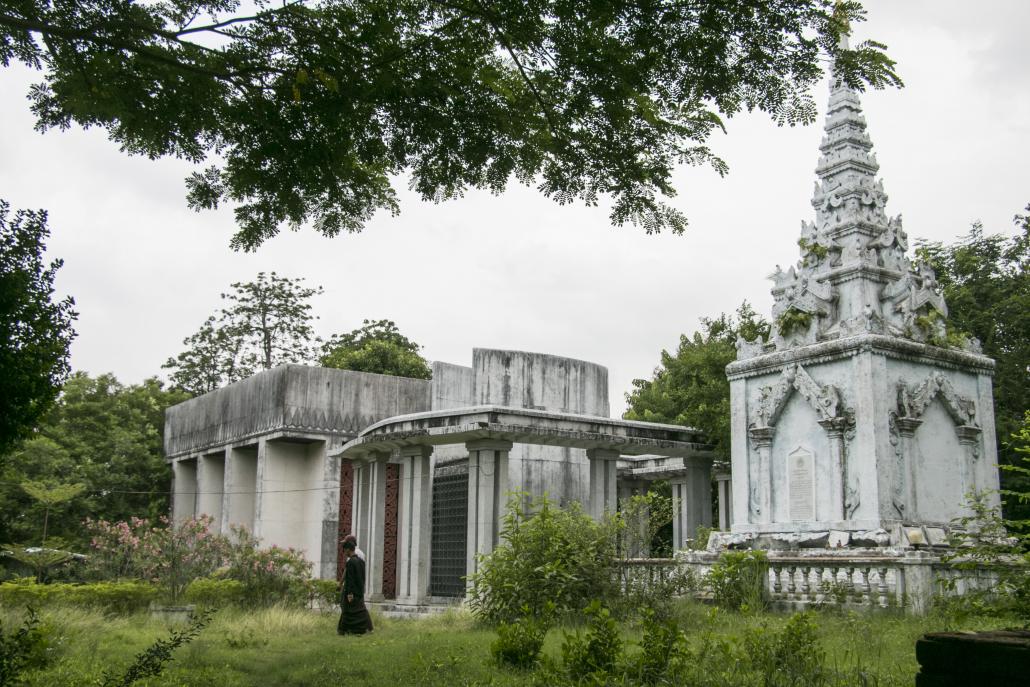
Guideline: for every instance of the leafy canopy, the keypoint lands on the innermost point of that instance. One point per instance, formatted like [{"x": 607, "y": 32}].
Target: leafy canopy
[
  {"x": 100, "y": 434},
  {"x": 986, "y": 285},
  {"x": 377, "y": 346},
  {"x": 690, "y": 387},
  {"x": 266, "y": 322},
  {"x": 310, "y": 110},
  {"x": 35, "y": 331}
]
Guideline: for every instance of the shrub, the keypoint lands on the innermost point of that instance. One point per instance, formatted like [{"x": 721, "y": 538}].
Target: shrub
[
  {"x": 174, "y": 555},
  {"x": 554, "y": 561},
  {"x": 652, "y": 590},
  {"x": 119, "y": 597},
  {"x": 272, "y": 575},
  {"x": 739, "y": 580},
  {"x": 798, "y": 658},
  {"x": 518, "y": 643},
  {"x": 23, "y": 649},
  {"x": 170, "y": 555},
  {"x": 645, "y": 518},
  {"x": 986, "y": 542},
  {"x": 598, "y": 653},
  {"x": 661, "y": 642},
  {"x": 211, "y": 592},
  {"x": 325, "y": 594}
]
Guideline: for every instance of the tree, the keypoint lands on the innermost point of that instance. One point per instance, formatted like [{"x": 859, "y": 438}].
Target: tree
[
  {"x": 35, "y": 331},
  {"x": 690, "y": 388},
  {"x": 986, "y": 285},
  {"x": 377, "y": 346},
  {"x": 99, "y": 433},
  {"x": 51, "y": 495},
  {"x": 266, "y": 323},
  {"x": 311, "y": 110}
]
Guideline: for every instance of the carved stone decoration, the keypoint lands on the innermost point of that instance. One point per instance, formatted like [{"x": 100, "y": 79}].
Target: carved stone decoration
[
  {"x": 824, "y": 400},
  {"x": 898, "y": 484},
  {"x": 852, "y": 488},
  {"x": 913, "y": 401},
  {"x": 748, "y": 349},
  {"x": 853, "y": 249}
]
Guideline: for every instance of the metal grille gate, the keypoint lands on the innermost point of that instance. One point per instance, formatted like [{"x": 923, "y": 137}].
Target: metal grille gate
[{"x": 450, "y": 523}]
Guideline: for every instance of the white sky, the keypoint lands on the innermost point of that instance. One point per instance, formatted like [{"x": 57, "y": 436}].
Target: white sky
[{"x": 519, "y": 271}]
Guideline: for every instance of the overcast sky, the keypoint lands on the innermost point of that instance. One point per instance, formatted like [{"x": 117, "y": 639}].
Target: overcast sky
[{"x": 518, "y": 271}]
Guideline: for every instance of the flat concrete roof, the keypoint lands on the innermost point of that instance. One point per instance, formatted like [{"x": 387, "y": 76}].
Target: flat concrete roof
[{"x": 525, "y": 426}]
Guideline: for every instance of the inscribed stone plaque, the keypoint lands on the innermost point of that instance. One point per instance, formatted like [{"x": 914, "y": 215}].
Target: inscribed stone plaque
[{"x": 802, "y": 496}]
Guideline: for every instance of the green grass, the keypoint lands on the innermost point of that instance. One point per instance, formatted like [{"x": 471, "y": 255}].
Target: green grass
[{"x": 298, "y": 648}]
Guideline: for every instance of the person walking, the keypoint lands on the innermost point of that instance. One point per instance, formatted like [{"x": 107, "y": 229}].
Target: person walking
[{"x": 354, "y": 617}]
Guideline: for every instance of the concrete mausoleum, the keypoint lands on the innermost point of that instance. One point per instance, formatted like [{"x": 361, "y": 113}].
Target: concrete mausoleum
[
  {"x": 863, "y": 421},
  {"x": 419, "y": 470}
]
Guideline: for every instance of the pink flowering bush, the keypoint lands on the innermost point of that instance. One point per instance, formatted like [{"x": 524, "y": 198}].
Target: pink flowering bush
[
  {"x": 114, "y": 548},
  {"x": 168, "y": 555},
  {"x": 172, "y": 555},
  {"x": 272, "y": 575}
]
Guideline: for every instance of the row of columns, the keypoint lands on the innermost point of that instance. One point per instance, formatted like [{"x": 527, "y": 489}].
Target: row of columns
[
  {"x": 488, "y": 487},
  {"x": 276, "y": 490},
  {"x": 227, "y": 485}
]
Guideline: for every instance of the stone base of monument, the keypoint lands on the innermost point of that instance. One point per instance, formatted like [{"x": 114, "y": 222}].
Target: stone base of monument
[
  {"x": 871, "y": 577},
  {"x": 772, "y": 538},
  {"x": 959, "y": 659}
]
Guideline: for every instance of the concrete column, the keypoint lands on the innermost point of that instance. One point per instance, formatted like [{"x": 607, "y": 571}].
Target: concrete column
[
  {"x": 835, "y": 433},
  {"x": 907, "y": 427},
  {"x": 603, "y": 495},
  {"x": 184, "y": 499},
  {"x": 691, "y": 502},
  {"x": 415, "y": 524},
  {"x": 376, "y": 518},
  {"x": 741, "y": 474},
  {"x": 680, "y": 531},
  {"x": 211, "y": 488},
  {"x": 725, "y": 486},
  {"x": 969, "y": 439},
  {"x": 760, "y": 482},
  {"x": 240, "y": 488},
  {"x": 488, "y": 494},
  {"x": 329, "y": 512},
  {"x": 259, "y": 525},
  {"x": 359, "y": 505}
]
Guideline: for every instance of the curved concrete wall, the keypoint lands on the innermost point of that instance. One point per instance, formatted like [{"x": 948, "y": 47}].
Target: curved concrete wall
[
  {"x": 537, "y": 380},
  {"x": 545, "y": 382}
]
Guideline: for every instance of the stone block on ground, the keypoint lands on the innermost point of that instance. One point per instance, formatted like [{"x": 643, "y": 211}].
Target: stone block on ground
[{"x": 1000, "y": 657}]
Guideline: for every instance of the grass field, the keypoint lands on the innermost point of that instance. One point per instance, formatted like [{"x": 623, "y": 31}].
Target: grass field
[{"x": 300, "y": 648}]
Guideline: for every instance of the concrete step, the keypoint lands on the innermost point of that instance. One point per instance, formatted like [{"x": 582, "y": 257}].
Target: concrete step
[{"x": 409, "y": 611}]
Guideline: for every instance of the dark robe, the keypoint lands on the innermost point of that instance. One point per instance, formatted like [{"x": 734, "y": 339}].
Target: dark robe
[{"x": 354, "y": 618}]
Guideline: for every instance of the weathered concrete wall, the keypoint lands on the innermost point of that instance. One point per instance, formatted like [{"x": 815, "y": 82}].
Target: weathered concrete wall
[
  {"x": 544, "y": 382},
  {"x": 541, "y": 381},
  {"x": 452, "y": 386},
  {"x": 290, "y": 397}
]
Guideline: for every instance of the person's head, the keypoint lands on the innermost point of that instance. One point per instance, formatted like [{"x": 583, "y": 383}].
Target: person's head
[{"x": 348, "y": 547}]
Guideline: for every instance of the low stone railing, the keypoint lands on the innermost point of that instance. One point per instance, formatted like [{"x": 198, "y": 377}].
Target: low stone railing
[
  {"x": 869, "y": 578},
  {"x": 803, "y": 581},
  {"x": 646, "y": 573}
]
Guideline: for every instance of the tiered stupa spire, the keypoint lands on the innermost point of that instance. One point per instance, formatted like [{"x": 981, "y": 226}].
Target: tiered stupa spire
[{"x": 853, "y": 276}]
